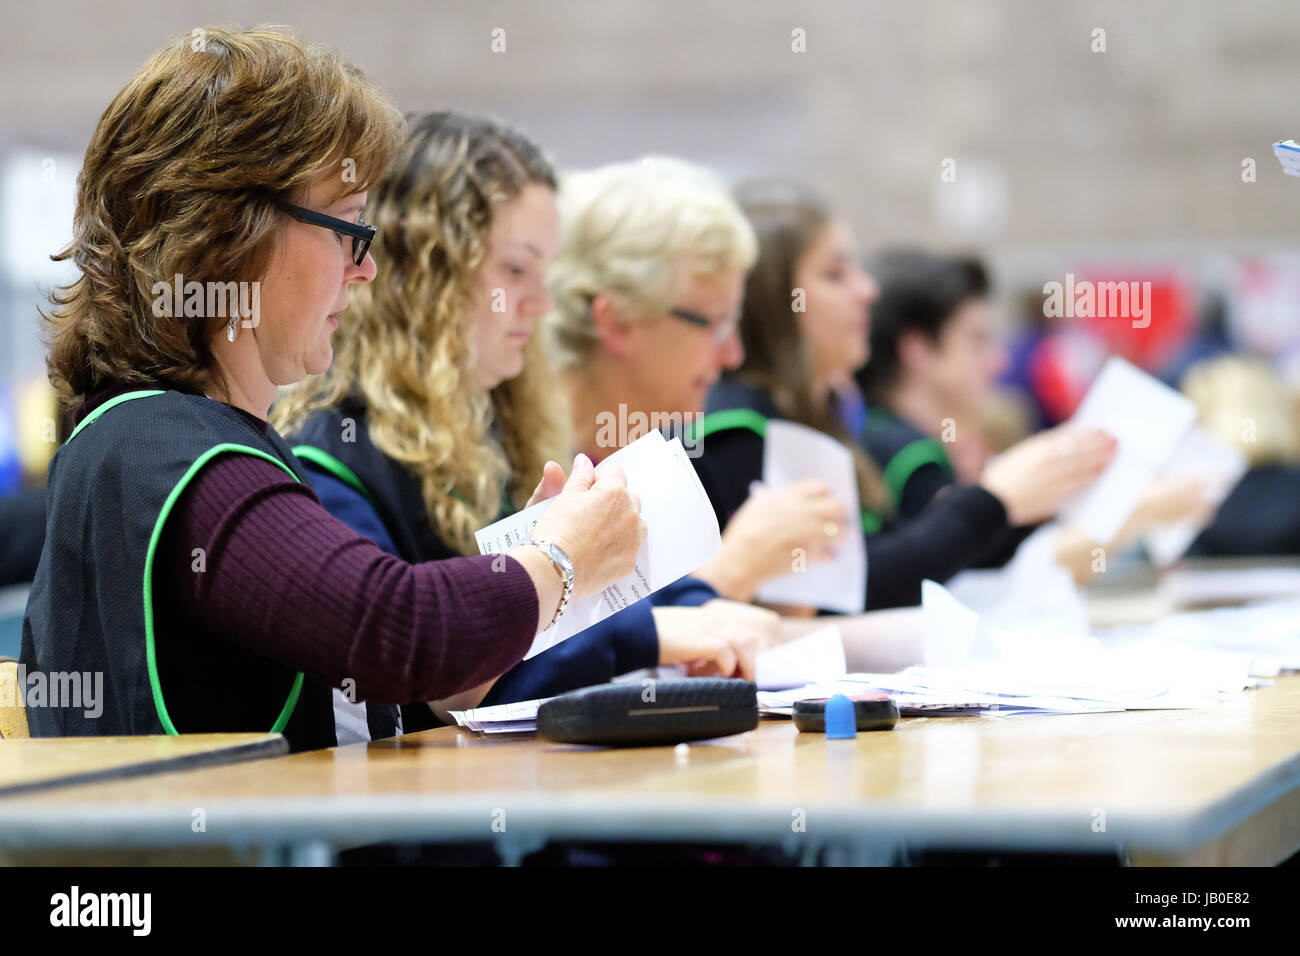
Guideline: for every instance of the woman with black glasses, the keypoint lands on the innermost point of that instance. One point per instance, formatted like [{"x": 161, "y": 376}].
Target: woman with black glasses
[{"x": 185, "y": 559}]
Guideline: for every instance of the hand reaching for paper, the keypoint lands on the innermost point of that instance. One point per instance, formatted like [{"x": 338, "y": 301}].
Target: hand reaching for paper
[
  {"x": 769, "y": 530},
  {"x": 1035, "y": 477},
  {"x": 717, "y": 639}
]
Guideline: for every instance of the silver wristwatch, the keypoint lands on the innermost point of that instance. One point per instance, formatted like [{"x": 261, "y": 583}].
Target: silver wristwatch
[{"x": 564, "y": 565}]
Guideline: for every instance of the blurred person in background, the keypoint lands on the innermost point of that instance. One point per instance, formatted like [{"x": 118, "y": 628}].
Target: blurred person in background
[
  {"x": 1032, "y": 327},
  {"x": 38, "y": 430},
  {"x": 1244, "y": 404},
  {"x": 1210, "y": 339},
  {"x": 930, "y": 385},
  {"x": 647, "y": 287},
  {"x": 804, "y": 327},
  {"x": 647, "y": 290}
]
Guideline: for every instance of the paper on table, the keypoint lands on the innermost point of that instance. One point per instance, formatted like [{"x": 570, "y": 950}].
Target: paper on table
[
  {"x": 1148, "y": 419},
  {"x": 517, "y": 717},
  {"x": 918, "y": 695},
  {"x": 1206, "y": 586},
  {"x": 1268, "y": 631},
  {"x": 816, "y": 656},
  {"x": 793, "y": 452},
  {"x": 1031, "y": 592},
  {"x": 1219, "y": 466},
  {"x": 683, "y": 533}
]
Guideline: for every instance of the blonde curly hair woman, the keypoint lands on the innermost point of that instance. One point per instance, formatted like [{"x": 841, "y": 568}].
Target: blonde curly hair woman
[{"x": 440, "y": 408}]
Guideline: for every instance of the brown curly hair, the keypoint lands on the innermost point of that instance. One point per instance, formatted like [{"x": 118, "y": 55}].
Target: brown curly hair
[
  {"x": 408, "y": 347},
  {"x": 181, "y": 176}
]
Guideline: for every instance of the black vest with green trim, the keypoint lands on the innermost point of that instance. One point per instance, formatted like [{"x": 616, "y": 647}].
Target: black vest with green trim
[
  {"x": 733, "y": 404},
  {"x": 337, "y": 441},
  {"x": 92, "y": 609},
  {"x": 900, "y": 450}
]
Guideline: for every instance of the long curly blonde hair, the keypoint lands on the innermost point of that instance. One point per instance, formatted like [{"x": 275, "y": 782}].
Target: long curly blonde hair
[{"x": 406, "y": 343}]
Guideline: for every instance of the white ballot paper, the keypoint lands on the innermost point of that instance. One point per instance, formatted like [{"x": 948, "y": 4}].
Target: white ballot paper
[
  {"x": 817, "y": 656},
  {"x": 683, "y": 533},
  {"x": 793, "y": 452},
  {"x": 1219, "y": 467},
  {"x": 1149, "y": 420}
]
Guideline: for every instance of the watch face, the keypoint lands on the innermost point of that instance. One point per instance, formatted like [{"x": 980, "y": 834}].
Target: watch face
[{"x": 563, "y": 559}]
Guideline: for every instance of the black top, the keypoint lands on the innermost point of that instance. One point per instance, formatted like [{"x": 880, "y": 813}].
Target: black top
[
  {"x": 914, "y": 465},
  {"x": 1260, "y": 516},
  {"x": 916, "y": 468},
  {"x": 943, "y": 539}
]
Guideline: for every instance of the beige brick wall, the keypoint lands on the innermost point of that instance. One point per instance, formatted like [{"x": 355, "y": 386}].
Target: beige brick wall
[{"x": 1143, "y": 141}]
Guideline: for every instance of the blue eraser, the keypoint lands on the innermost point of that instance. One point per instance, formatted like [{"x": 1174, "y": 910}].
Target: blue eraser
[{"x": 841, "y": 721}]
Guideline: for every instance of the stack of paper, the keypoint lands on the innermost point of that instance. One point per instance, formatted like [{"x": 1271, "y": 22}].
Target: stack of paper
[
  {"x": 1268, "y": 631},
  {"x": 517, "y": 718},
  {"x": 683, "y": 533},
  {"x": 919, "y": 693},
  {"x": 975, "y": 664},
  {"x": 1004, "y": 689}
]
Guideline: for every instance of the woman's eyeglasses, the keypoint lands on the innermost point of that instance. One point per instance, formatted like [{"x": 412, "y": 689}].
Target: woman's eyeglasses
[
  {"x": 362, "y": 234},
  {"x": 719, "y": 332}
]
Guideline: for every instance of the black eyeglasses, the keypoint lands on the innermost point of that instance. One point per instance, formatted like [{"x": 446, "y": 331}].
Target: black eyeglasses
[
  {"x": 362, "y": 234},
  {"x": 719, "y": 332}
]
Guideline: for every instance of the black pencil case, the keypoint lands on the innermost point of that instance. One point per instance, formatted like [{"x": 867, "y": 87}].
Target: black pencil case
[{"x": 652, "y": 712}]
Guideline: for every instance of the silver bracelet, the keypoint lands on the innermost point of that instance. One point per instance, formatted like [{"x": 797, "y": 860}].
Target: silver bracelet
[{"x": 564, "y": 565}]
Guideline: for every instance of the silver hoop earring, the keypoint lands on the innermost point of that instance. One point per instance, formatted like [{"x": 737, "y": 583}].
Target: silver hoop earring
[{"x": 232, "y": 327}]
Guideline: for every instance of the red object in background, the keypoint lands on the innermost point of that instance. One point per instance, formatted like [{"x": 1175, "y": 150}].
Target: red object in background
[
  {"x": 1168, "y": 317},
  {"x": 1063, "y": 365}
]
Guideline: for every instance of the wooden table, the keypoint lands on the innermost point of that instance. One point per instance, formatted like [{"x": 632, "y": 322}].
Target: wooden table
[
  {"x": 28, "y": 764},
  {"x": 1214, "y": 786}
]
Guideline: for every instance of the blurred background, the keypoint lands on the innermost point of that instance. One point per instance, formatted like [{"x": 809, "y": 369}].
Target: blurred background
[{"x": 1108, "y": 140}]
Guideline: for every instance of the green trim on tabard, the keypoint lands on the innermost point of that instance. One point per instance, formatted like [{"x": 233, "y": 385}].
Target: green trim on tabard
[
  {"x": 757, "y": 423},
  {"x": 327, "y": 462},
  {"x": 730, "y": 418},
  {"x": 150, "y": 649},
  {"x": 124, "y": 397},
  {"x": 923, "y": 451}
]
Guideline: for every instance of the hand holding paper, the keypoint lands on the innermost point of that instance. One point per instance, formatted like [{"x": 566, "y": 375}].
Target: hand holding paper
[
  {"x": 1148, "y": 419},
  {"x": 1035, "y": 476},
  {"x": 1219, "y": 467},
  {"x": 792, "y": 453},
  {"x": 682, "y": 532}
]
